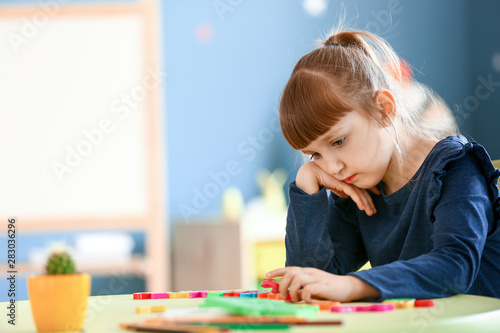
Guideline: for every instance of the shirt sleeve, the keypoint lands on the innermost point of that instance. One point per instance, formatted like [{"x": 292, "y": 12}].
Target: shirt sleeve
[
  {"x": 462, "y": 218},
  {"x": 322, "y": 232}
]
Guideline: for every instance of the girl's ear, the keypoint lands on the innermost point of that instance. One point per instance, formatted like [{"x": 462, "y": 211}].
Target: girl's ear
[{"x": 385, "y": 102}]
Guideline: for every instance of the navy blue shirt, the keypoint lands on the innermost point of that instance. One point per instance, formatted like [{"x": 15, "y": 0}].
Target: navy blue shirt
[{"x": 436, "y": 236}]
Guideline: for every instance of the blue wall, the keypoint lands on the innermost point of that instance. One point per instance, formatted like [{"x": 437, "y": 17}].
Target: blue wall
[
  {"x": 220, "y": 93},
  {"x": 484, "y": 46}
]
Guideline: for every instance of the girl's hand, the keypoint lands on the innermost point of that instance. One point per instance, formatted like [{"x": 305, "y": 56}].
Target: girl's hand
[
  {"x": 308, "y": 283},
  {"x": 311, "y": 177}
]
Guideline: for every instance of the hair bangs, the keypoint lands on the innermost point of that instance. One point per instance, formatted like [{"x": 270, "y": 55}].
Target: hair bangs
[{"x": 309, "y": 107}]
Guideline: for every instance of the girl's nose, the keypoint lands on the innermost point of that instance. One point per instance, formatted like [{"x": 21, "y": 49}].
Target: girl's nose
[{"x": 333, "y": 167}]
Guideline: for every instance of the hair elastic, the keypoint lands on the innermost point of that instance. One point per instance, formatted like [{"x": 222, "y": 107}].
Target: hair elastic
[{"x": 333, "y": 44}]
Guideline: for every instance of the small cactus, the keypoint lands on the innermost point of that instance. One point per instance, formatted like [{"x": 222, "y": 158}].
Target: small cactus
[{"x": 60, "y": 263}]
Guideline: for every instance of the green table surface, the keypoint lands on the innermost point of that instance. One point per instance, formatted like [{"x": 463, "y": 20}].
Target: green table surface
[{"x": 461, "y": 313}]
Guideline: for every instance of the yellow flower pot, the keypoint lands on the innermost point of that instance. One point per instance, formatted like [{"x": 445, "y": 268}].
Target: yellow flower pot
[{"x": 59, "y": 301}]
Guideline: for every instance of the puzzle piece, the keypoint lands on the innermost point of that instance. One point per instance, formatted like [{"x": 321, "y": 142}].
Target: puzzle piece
[
  {"x": 269, "y": 283},
  {"x": 143, "y": 309},
  {"x": 181, "y": 294},
  {"x": 159, "y": 295},
  {"x": 198, "y": 294},
  {"x": 274, "y": 296},
  {"x": 263, "y": 295},
  {"x": 325, "y": 305},
  {"x": 158, "y": 308},
  {"x": 149, "y": 309},
  {"x": 364, "y": 308},
  {"x": 401, "y": 303},
  {"x": 248, "y": 294},
  {"x": 142, "y": 295},
  {"x": 424, "y": 303}
]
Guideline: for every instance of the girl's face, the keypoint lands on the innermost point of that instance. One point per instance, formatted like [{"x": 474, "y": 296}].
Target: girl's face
[{"x": 357, "y": 150}]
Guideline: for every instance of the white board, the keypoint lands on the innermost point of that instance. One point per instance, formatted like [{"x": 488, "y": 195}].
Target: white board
[{"x": 57, "y": 90}]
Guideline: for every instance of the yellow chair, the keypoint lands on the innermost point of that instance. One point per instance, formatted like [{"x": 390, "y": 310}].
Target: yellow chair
[
  {"x": 269, "y": 255},
  {"x": 496, "y": 164}
]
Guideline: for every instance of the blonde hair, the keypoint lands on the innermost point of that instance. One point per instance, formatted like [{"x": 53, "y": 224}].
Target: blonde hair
[{"x": 344, "y": 75}]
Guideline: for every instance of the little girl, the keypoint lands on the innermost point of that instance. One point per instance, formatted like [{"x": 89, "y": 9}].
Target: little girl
[{"x": 407, "y": 193}]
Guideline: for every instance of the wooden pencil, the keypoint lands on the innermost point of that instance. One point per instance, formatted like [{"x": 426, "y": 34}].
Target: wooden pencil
[{"x": 172, "y": 328}]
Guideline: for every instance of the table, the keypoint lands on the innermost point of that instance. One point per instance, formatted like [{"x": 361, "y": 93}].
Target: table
[{"x": 460, "y": 313}]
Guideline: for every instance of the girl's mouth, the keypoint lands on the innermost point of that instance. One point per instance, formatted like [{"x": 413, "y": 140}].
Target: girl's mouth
[{"x": 350, "y": 179}]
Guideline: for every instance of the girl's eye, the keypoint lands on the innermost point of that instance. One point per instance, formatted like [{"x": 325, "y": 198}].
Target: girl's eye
[
  {"x": 339, "y": 142},
  {"x": 315, "y": 156}
]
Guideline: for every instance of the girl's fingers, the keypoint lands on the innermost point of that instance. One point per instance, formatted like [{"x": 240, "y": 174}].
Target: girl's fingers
[
  {"x": 285, "y": 282},
  {"x": 333, "y": 185},
  {"x": 375, "y": 190},
  {"x": 306, "y": 293},
  {"x": 365, "y": 198},
  {"x": 372, "y": 204},
  {"x": 350, "y": 191},
  {"x": 362, "y": 197},
  {"x": 294, "y": 290},
  {"x": 342, "y": 189},
  {"x": 369, "y": 202},
  {"x": 299, "y": 294},
  {"x": 339, "y": 193},
  {"x": 277, "y": 272}
]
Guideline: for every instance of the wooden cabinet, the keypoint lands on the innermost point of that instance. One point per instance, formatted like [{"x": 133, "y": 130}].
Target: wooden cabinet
[{"x": 221, "y": 256}]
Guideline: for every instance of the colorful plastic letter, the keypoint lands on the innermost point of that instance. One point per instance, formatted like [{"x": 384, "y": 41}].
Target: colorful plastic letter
[
  {"x": 158, "y": 308},
  {"x": 325, "y": 305},
  {"x": 269, "y": 283},
  {"x": 159, "y": 295},
  {"x": 142, "y": 295},
  {"x": 424, "y": 303},
  {"x": 143, "y": 309}
]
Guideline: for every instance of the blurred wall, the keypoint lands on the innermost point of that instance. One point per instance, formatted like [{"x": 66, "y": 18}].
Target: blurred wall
[
  {"x": 222, "y": 93},
  {"x": 482, "y": 103}
]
